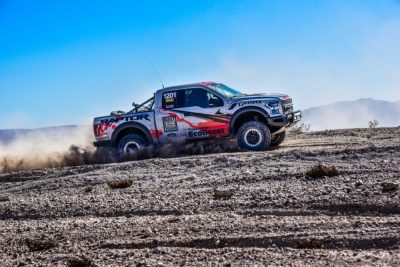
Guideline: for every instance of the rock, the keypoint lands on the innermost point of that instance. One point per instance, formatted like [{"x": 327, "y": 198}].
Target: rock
[
  {"x": 221, "y": 159},
  {"x": 57, "y": 258},
  {"x": 358, "y": 183},
  {"x": 192, "y": 165},
  {"x": 149, "y": 232}
]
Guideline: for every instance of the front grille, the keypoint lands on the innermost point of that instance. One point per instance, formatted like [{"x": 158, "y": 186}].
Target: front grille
[{"x": 287, "y": 106}]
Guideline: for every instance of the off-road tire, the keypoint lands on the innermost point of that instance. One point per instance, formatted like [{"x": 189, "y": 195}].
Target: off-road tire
[
  {"x": 254, "y": 135},
  {"x": 130, "y": 143},
  {"x": 278, "y": 139}
]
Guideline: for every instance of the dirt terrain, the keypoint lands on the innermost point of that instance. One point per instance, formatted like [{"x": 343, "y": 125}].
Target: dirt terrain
[{"x": 229, "y": 209}]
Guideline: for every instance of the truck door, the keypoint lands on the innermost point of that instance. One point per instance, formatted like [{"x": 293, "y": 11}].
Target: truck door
[
  {"x": 169, "y": 124},
  {"x": 203, "y": 114}
]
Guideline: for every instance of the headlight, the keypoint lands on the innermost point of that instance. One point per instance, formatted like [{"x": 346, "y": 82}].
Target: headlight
[{"x": 273, "y": 106}]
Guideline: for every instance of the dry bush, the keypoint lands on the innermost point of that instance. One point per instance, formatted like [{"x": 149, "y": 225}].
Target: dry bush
[
  {"x": 120, "y": 183},
  {"x": 4, "y": 198},
  {"x": 373, "y": 124},
  {"x": 222, "y": 194},
  {"x": 389, "y": 187},
  {"x": 80, "y": 262},
  {"x": 310, "y": 244},
  {"x": 37, "y": 244},
  {"x": 319, "y": 170},
  {"x": 302, "y": 128},
  {"x": 88, "y": 189}
]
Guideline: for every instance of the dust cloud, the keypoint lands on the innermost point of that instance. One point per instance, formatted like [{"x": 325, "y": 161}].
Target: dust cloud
[
  {"x": 44, "y": 148},
  {"x": 73, "y": 147}
]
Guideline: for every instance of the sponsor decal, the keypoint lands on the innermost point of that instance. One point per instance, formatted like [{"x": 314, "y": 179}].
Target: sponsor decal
[
  {"x": 117, "y": 119},
  {"x": 169, "y": 99},
  {"x": 206, "y": 133},
  {"x": 250, "y": 102},
  {"x": 210, "y": 121},
  {"x": 170, "y": 124},
  {"x": 169, "y": 95}
]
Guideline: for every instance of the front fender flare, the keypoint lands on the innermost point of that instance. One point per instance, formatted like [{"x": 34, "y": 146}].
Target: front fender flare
[{"x": 244, "y": 110}]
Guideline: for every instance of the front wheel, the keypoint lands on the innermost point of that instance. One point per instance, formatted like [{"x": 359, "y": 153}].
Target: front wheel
[
  {"x": 278, "y": 139},
  {"x": 254, "y": 135},
  {"x": 130, "y": 144}
]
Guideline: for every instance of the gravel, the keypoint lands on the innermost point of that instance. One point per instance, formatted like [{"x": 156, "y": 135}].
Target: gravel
[{"x": 229, "y": 209}]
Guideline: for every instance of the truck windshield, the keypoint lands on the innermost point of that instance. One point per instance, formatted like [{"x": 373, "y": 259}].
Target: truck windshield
[{"x": 225, "y": 90}]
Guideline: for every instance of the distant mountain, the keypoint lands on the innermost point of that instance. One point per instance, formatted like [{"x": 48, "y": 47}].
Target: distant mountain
[{"x": 353, "y": 114}]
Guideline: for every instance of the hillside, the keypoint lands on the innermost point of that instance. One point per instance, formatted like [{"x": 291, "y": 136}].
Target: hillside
[{"x": 353, "y": 114}]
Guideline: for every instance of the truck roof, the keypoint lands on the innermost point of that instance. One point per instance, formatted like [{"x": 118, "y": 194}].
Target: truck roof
[{"x": 189, "y": 85}]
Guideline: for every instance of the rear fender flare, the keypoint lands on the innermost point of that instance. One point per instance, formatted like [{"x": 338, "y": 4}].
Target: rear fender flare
[{"x": 133, "y": 125}]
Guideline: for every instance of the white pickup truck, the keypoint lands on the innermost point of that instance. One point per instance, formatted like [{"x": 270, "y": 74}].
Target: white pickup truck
[{"x": 198, "y": 111}]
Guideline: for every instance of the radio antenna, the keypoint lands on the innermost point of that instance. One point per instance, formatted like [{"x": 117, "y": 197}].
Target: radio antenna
[{"x": 155, "y": 70}]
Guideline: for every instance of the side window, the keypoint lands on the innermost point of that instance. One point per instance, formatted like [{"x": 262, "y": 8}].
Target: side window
[
  {"x": 196, "y": 97},
  {"x": 214, "y": 101},
  {"x": 201, "y": 98}
]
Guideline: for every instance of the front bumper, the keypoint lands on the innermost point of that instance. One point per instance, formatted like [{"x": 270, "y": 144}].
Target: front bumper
[
  {"x": 105, "y": 143},
  {"x": 295, "y": 117},
  {"x": 287, "y": 120}
]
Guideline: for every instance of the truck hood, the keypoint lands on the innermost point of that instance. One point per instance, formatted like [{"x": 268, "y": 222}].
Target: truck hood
[{"x": 259, "y": 96}]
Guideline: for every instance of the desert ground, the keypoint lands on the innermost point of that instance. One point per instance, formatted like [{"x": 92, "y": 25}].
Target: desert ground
[{"x": 221, "y": 209}]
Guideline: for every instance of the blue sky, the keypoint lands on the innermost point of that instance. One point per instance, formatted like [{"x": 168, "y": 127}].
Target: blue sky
[{"x": 64, "y": 62}]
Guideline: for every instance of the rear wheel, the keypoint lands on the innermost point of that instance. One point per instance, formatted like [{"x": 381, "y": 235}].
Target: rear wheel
[
  {"x": 130, "y": 144},
  {"x": 254, "y": 135},
  {"x": 278, "y": 139}
]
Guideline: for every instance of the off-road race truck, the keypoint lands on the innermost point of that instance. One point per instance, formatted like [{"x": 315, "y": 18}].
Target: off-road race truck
[{"x": 197, "y": 111}]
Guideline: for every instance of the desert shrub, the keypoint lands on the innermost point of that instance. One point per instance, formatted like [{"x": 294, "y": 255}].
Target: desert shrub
[
  {"x": 310, "y": 244},
  {"x": 389, "y": 187},
  {"x": 37, "y": 244},
  {"x": 80, "y": 262},
  {"x": 302, "y": 128},
  {"x": 305, "y": 127},
  {"x": 373, "y": 124},
  {"x": 120, "y": 183},
  {"x": 88, "y": 189},
  {"x": 222, "y": 194},
  {"x": 319, "y": 170},
  {"x": 173, "y": 220}
]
